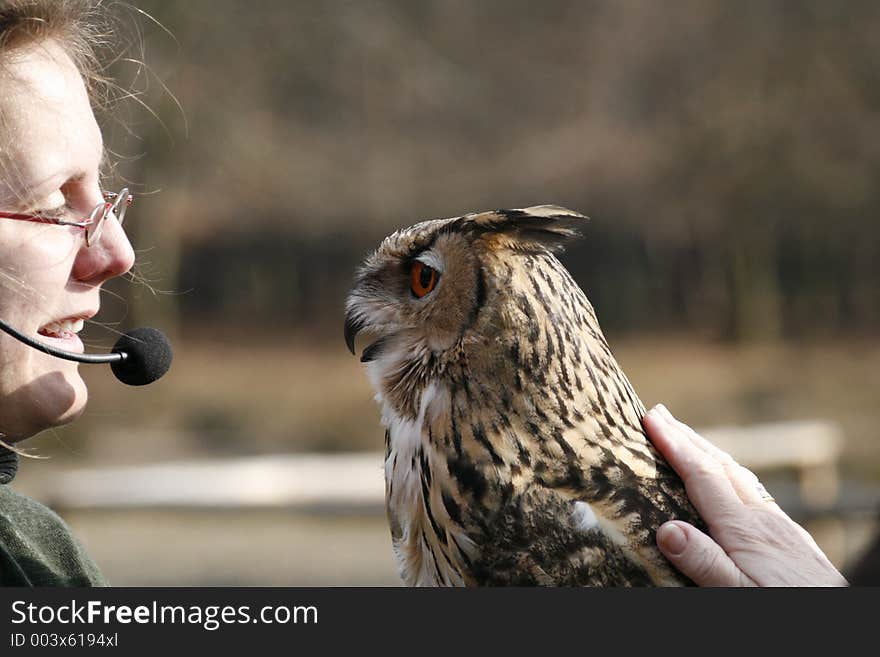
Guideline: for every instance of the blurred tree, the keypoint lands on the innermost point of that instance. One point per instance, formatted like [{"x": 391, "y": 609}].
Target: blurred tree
[{"x": 727, "y": 151}]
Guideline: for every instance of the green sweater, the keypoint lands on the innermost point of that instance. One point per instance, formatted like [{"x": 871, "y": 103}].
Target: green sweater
[{"x": 36, "y": 546}]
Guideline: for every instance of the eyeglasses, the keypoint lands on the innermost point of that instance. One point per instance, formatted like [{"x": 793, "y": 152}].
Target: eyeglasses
[{"x": 115, "y": 203}]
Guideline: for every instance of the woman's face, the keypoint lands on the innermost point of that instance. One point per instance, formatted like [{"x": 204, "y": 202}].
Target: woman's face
[{"x": 49, "y": 280}]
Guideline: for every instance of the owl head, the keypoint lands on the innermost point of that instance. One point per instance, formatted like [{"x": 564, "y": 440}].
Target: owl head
[{"x": 468, "y": 301}]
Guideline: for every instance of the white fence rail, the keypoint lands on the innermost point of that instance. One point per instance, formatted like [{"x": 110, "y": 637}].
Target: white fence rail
[{"x": 355, "y": 480}]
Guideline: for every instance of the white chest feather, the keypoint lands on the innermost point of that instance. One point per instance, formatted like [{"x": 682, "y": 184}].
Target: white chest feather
[{"x": 421, "y": 559}]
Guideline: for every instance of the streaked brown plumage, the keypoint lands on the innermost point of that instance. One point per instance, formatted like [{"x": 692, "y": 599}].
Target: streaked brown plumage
[{"x": 514, "y": 447}]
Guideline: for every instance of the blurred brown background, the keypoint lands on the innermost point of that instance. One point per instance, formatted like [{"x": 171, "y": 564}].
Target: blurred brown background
[{"x": 727, "y": 153}]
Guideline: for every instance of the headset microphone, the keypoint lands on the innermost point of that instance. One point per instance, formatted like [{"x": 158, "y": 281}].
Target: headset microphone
[{"x": 139, "y": 357}]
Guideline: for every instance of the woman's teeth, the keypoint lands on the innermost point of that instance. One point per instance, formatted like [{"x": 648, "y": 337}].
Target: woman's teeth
[{"x": 62, "y": 328}]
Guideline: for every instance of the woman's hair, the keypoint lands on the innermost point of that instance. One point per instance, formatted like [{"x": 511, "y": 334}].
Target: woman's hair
[
  {"x": 89, "y": 31},
  {"x": 84, "y": 28}
]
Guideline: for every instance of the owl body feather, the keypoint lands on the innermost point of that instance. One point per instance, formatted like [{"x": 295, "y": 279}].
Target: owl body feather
[{"x": 515, "y": 453}]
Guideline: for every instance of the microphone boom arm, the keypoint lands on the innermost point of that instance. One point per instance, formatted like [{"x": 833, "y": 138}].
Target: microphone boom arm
[{"x": 60, "y": 353}]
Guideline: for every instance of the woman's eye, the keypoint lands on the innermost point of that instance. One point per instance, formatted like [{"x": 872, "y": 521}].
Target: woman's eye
[
  {"x": 422, "y": 279},
  {"x": 57, "y": 205},
  {"x": 53, "y": 213}
]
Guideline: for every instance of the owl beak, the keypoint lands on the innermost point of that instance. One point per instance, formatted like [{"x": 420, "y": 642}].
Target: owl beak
[{"x": 353, "y": 326}]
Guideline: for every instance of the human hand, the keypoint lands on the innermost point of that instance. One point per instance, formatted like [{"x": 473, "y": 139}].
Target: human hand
[{"x": 753, "y": 542}]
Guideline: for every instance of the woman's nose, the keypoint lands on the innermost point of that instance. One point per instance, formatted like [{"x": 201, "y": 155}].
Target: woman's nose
[{"x": 111, "y": 255}]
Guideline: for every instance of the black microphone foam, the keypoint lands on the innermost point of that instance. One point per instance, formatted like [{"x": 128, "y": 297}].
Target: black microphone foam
[{"x": 147, "y": 356}]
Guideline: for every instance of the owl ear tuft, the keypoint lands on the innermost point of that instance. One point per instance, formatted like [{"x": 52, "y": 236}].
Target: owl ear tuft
[{"x": 540, "y": 226}]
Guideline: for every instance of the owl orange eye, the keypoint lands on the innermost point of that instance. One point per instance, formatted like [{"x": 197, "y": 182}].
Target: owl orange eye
[{"x": 422, "y": 279}]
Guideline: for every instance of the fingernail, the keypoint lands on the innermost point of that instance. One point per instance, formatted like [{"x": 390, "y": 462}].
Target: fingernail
[{"x": 672, "y": 539}]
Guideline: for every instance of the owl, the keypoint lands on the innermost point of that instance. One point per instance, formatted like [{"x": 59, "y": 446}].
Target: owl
[{"x": 514, "y": 449}]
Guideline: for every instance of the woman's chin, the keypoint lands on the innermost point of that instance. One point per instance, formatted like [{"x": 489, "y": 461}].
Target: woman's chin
[
  {"x": 75, "y": 410},
  {"x": 68, "y": 402},
  {"x": 54, "y": 399}
]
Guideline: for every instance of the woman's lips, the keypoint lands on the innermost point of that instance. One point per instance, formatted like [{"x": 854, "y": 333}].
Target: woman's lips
[
  {"x": 62, "y": 326},
  {"x": 63, "y": 334}
]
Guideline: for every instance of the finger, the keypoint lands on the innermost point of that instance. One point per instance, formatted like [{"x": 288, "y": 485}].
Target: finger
[
  {"x": 699, "y": 557},
  {"x": 696, "y": 438},
  {"x": 705, "y": 480},
  {"x": 746, "y": 484},
  {"x": 749, "y": 488}
]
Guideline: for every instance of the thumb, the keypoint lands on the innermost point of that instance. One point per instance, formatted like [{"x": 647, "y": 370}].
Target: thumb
[{"x": 699, "y": 557}]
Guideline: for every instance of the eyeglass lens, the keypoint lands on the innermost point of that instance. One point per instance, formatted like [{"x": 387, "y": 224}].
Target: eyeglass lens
[{"x": 99, "y": 214}]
